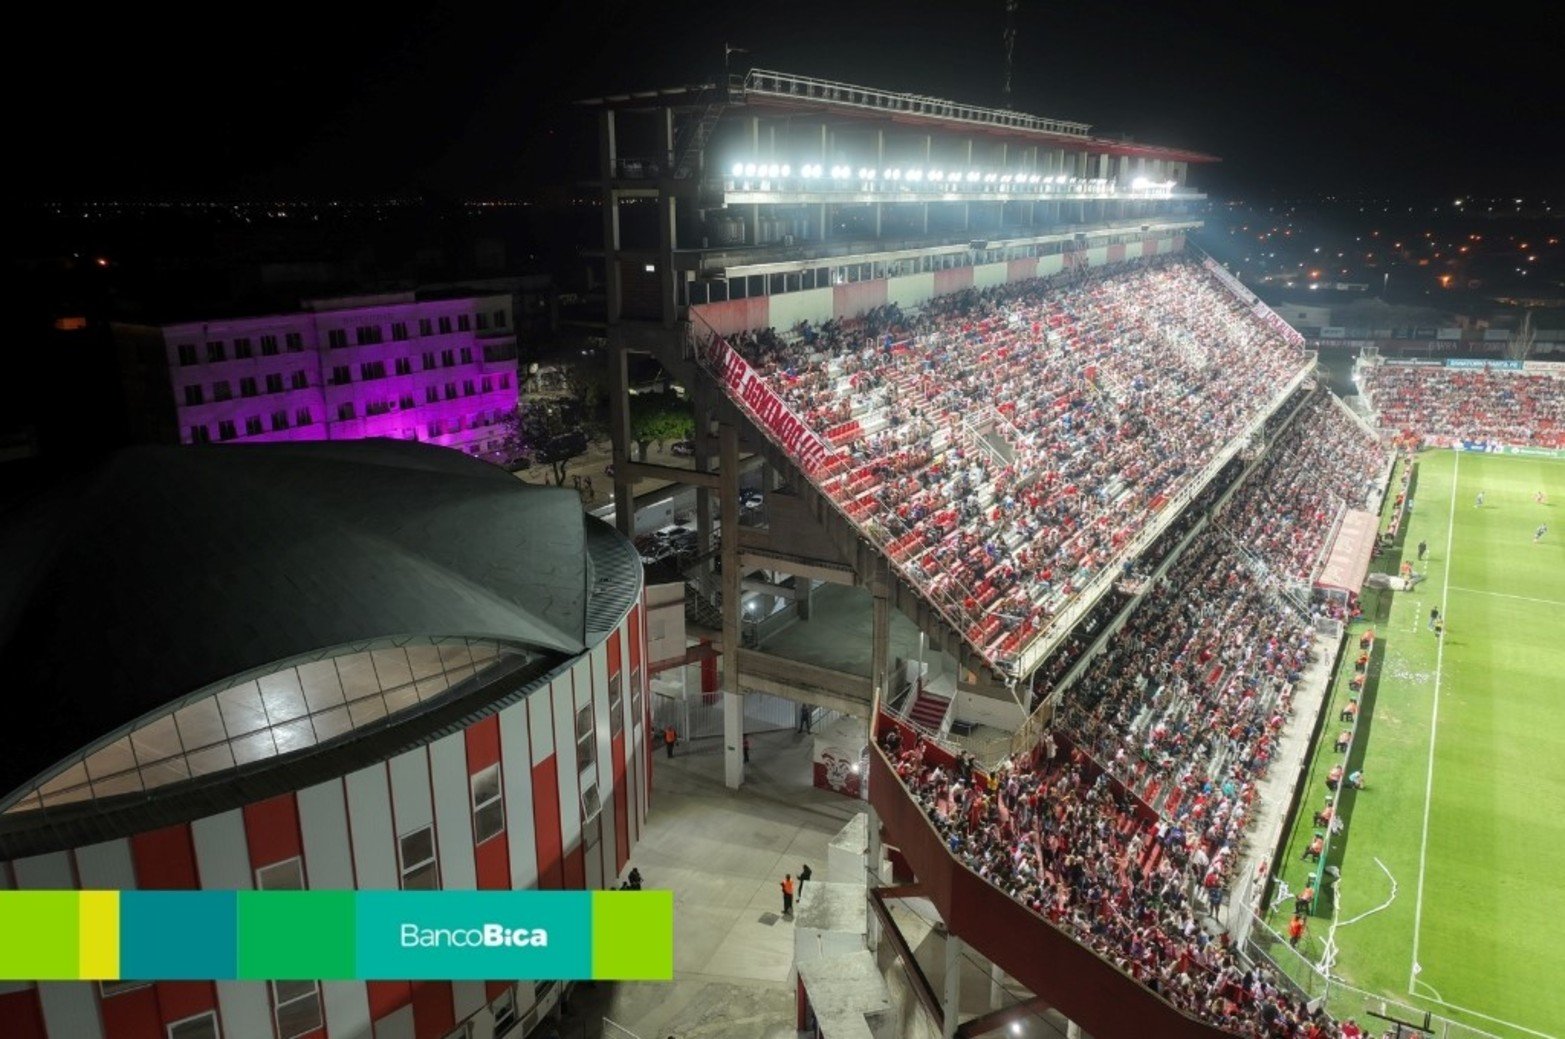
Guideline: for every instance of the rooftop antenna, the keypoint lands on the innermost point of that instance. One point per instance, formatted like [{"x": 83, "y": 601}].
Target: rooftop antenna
[{"x": 1009, "y": 37}]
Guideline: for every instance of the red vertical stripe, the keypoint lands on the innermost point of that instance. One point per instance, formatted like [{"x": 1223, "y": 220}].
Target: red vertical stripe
[
  {"x": 493, "y": 990},
  {"x": 178, "y": 1000},
  {"x": 492, "y": 858},
  {"x": 132, "y": 1015},
  {"x": 165, "y": 860},
  {"x": 272, "y": 830},
  {"x": 386, "y": 997},
  {"x": 621, "y": 806},
  {"x": 434, "y": 1011},
  {"x": 22, "y": 1014},
  {"x": 546, "y": 822},
  {"x": 575, "y": 859}
]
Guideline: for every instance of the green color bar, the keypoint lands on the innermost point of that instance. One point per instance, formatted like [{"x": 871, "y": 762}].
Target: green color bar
[
  {"x": 39, "y": 935},
  {"x": 297, "y": 935},
  {"x": 633, "y": 935}
]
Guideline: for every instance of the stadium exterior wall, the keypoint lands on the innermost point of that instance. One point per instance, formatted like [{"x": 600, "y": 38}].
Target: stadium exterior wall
[
  {"x": 839, "y": 302},
  {"x": 346, "y": 833}
]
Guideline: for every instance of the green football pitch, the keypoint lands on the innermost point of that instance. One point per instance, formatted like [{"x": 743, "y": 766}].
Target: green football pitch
[{"x": 1451, "y": 858}]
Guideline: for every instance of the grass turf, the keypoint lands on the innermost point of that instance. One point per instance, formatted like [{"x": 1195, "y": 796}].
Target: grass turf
[{"x": 1480, "y": 888}]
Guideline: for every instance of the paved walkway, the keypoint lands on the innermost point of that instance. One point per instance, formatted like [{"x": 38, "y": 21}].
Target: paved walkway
[{"x": 723, "y": 853}]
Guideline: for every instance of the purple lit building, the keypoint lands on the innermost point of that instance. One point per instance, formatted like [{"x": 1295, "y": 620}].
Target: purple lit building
[{"x": 411, "y": 365}]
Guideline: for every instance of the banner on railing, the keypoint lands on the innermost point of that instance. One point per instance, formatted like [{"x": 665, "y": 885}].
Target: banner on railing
[
  {"x": 1483, "y": 365},
  {"x": 750, "y": 389}
]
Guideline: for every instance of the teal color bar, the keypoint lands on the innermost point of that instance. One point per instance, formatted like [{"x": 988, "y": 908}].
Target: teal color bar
[
  {"x": 473, "y": 935},
  {"x": 179, "y": 935}
]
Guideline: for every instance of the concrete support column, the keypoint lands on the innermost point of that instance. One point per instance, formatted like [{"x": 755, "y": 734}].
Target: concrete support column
[
  {"x": 619, "y": 434},
  {"x": 880, "y": 635},
  {"x": 951, "y": 1000},
  {"x": 608, "y": 150},
  {"x": 1072, "y": 1030},
  {"x": 825, "y": 229},
  {"x": 926, "y": 218},
  {"x": 703, "y": 460},
  {"x": 878, "y": 208},
  {"x": 872, "y": 876},
  {"x": 666, "y": 227},
  {"x": 996, "y": 990},
  {"x": 733, "y": 700}
]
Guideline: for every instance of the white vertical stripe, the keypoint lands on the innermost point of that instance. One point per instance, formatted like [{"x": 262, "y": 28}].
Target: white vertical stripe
[
  {"x": 347, "y": 1006},
  {"x": 70, "y": 1008},
  {"x": 245, "y": 1007},
  {"x": 410, "y": 791},
  {"x": 106, "y": 867},
  {"x": 600, "y": 720},
  {"x": 323, "y": 823},
  {"x": 369, "y": 818},
  {"x": 516, "y": 780},
  {"x": 540, "y": 721},
  {"x": 51, "y": 872},
  {"x": 467, "y": 997},
  {"x": 453, "y": 815},
  {"x": 222, "y": 852},
  {"x": 396, "y": 1025},
  {"x": 8, "y": 987},
  {"x": 565, "y": 753}
]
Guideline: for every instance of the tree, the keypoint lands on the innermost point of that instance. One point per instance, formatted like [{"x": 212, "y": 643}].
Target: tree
[
  {"x": 553, "y": 438},
  {"x": 659, "y": 418}
]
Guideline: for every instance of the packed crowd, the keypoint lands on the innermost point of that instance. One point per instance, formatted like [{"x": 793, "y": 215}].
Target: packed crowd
[
  {"x": 1422, "y": 401},
  {"x": 1003, "y": 444},
  {"x": 1325, "y": 463}
]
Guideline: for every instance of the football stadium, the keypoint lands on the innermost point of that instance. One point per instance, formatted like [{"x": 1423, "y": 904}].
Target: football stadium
[{"x": 1167, "y": 684}]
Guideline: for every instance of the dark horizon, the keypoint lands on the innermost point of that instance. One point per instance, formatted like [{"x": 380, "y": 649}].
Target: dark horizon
[{"x": 466, "y": 104}]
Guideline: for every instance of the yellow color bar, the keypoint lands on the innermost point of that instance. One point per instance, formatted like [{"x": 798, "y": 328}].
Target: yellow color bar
[{"x": 98, "y": 924}]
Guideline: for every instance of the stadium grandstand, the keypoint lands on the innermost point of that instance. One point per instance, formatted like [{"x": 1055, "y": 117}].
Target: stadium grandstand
[{"x": 1489, "y": 402}]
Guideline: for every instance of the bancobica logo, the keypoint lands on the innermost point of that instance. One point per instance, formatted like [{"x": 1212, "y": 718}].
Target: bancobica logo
[{"x": 488, "y": 936}]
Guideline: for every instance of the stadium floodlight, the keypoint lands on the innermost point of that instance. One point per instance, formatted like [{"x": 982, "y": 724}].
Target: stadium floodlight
[
  {"x": 738, "y": 169},
  {"x": 1140, "y": 184},
  {"x": 749, "y": 169},
  {"x": 915, "y": 175},
  {"x": 973, "y": 176},
  {"x": 1005, "y": 179},
  {"x": 786, "y": 170},
  {"x": 936, "y": 175},
  {"x": 772, "y": 170},
  {"x": 990, "y": 178}
]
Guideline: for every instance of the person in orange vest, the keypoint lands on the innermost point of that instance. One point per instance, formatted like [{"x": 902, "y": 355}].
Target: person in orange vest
[
  {"x": 787, "y": 892},
  {"x": 1295, "y": 930},
  {"x": 669, "y": 739}
]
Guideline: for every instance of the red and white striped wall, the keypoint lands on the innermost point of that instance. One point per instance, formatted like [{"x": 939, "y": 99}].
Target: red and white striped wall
[{"x": 344, "y": 834}]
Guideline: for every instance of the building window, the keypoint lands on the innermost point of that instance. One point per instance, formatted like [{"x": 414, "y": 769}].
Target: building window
[
  {"x": 591, "y": 805},
  {"x": 467, "y": 355},
  {"x": 425, "y": 327},
  {"x": 287, "y": 875},
  {"x": 435, "y": 428},
  {"x": 274, "y": 382},
  {"x": 222, "y": 391},
  {"x": 345, "y": 412},
  {"x": 215, "y": 352},
  {"x": 488, "y": 809},
  {"x": 431, "y": 394},
  {"x": 193, "y": 395},
  {"x": 268, "y": 346},
  {"x": 301, "y": 380},
  {"x": 225, "y": 429},
  {"x": 405, "y": 402},
  {"x": 187, "y": 354},
  {"x": 585, "y": 748},
  {"x": 115, "y": 988},
  {"x": 463, "y": 324},
  {"x": 504, "y": 1011},
  {"x": 616, "y": 704},
  {"x": 445, "y": 325},
  {"x": 242, "y": 349},
  {"x": 420, "y": 872},
  {"x": 372, "y": 370},
  {"x": 404, "y": 366},
  {"x": 367, "y": 335},
  {"x": 482, "y": 320},
  {"x": 202, "y": 1026},
  {"x": 429, "y": 360},
  {"x": 247, "y": 386},
  {"x": 294, "y": 341},
  {"x": 467, "y": 388},
  {"x": 199, "y": 435},
  {"x": 297, "y": 1005},
  {"x": 450, "y": 391},
  {"x": 505, "y": 382},
  {"x": 399, "y": 330},
  {"x": 341, "y": 375},
  {"x": 279, "y": 421},
  {"x": 377, "y": 407},
  {"x": 302, "y": 417},
  {"x": 337, "y": 338},
  {"x": 488, "y": 384},
  {"x": 253, "y": 426},
  {"x": 447, "y": 358},
  {"x": 499, "y": 319}
]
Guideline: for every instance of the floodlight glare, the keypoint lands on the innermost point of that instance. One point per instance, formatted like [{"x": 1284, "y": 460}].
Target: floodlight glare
[
  {"x": 738, "y": 169},
  {"x": 749, "y": 169},
  {"x": 786, "y": 170}
]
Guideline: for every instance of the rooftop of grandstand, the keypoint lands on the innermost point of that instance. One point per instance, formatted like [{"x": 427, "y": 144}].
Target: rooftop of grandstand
[{"x": 1006, "y": 447}]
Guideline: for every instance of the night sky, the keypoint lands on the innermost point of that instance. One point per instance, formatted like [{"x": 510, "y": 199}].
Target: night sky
[{"x": 282, "y": 101}]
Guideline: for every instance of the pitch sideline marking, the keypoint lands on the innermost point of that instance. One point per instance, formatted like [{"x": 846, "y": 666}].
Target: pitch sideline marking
[
  {"x": 1434, "y": 722},
  {"x": 1486, "y": 1017},
  {"x": 1508, "y": 595}
]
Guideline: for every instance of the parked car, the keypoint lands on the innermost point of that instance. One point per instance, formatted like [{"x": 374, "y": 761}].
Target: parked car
[{"x": 683, "y": 448}]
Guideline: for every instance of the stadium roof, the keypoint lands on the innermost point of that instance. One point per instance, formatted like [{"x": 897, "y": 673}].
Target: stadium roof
[{"x": 169, "y": 569}]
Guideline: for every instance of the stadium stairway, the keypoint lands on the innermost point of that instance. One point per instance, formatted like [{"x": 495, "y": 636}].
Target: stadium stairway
[{"x": 929, "y": 710}]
